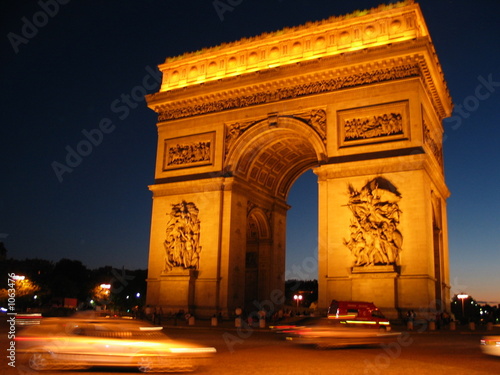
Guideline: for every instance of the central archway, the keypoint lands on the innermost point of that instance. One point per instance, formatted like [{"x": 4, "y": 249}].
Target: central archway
[
  {"x": 271, "y": 153},
  {"x": 268, "y": 155}
]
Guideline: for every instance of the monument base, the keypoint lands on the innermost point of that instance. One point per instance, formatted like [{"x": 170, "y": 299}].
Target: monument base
[
  {"x": 177, "y": 289},
  {"x": 377, "y": 284}
]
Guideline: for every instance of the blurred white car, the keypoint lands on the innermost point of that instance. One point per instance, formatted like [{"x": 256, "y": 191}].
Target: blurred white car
[
  {"x": 65, "y": 343},
  {"x": 330, "y": 333},
  {"x": 490, "y": 345}
]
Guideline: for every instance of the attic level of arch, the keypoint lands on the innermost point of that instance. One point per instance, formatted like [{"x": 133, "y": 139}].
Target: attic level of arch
[
  {"x": 290, "y": 46},
  {"x": 406, "y": 60}
]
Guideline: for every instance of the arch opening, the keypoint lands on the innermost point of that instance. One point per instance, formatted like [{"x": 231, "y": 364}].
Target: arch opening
[
  {"x": 268, "y": 160},
  {"x": 270, "y": 157},
  {"x": 302, "y": 229}
]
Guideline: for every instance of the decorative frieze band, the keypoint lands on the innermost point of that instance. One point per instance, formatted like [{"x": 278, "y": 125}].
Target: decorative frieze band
[{"x": 283, "y": 93}]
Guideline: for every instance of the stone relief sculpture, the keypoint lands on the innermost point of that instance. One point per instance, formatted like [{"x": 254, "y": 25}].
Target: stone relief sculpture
[
  {"x": 315, "y": 118},
  {"x": 188, "y": 153},
  {"x": 234, "y": 131},
  {"x": 375, "y": 238},
  {"x": 182, "y": 243},
  {"x": 373, "y": 126},
  {"x": 435, "y": 147}
]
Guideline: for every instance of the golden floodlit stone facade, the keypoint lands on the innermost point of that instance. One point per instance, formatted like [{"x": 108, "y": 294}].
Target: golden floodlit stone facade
[{"x": 360, "y": 99}]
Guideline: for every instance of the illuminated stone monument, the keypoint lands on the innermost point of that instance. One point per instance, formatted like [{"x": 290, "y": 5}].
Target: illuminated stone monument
[{"x": 358, "y": 98}]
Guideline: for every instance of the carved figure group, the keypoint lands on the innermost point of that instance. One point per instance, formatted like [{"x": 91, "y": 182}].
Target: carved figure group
[
  {"x": 189, "y": 153},
  {"x": 375, "y": 238},
  {"x": 371, "y": 127},
  {"x": 182, "y": 245}
]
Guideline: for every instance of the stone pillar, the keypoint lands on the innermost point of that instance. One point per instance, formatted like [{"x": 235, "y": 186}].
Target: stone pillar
[{"x": 177, "y": 289}]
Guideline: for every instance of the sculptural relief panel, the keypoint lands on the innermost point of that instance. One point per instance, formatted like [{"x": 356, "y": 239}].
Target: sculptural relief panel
[
  {"x": 191, "y": 151},
  {"x": 371, "y": 124},
  {"x": 435, "y": 146},
  {"x": 375, "y": 238},
  {"x": 182, "y": 242}
]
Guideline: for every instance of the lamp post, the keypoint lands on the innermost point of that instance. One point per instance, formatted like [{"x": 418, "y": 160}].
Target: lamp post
[
  {"x": 297, "y": 298},
  {"x": 463, "y": 297}
]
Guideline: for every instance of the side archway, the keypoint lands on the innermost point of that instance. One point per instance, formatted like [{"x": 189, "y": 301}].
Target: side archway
[{"x": 257, "y": 254}]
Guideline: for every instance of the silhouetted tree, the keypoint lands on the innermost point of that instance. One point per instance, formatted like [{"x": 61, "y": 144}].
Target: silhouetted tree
[{"x": 70, "y": 279}]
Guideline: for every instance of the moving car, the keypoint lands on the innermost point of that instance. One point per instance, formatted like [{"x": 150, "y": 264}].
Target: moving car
[
  {"x": 490, "y": 345},
  {"x": 28, "y": 319},
  {"x": 66, "y": 343},
  {"x": 359, "y": 314},
  {"x": 329, "y": 333}
]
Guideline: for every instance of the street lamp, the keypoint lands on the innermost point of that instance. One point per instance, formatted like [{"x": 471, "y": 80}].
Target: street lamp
[
  {"x": 463, "y": 297},
  {"x": 298, "y": 298}
]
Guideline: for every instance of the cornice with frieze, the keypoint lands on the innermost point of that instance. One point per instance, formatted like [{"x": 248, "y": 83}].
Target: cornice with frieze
[
  {"x": 241, "y": 91},
  {"x": 283, "y": 90}
]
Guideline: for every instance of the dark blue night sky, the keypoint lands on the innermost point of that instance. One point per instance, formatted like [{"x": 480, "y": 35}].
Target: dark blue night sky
[{"x": 80, "y": 69}]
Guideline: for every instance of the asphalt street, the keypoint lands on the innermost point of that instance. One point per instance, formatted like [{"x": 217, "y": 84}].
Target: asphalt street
[{"x": 250, "y": 351}]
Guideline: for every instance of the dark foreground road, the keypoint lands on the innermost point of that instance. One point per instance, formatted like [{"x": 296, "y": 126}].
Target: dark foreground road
[{"x": 243, "y": 352}]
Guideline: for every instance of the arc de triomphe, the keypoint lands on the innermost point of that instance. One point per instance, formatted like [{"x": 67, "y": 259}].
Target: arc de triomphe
[{"x": 360, "y": 99}]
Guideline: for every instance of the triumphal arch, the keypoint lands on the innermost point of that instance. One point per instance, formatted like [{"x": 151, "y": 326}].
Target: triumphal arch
[{"x": 359, "y": 99}]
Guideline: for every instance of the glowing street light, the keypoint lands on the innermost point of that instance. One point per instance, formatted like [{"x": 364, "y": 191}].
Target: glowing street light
[
  {"x": 298, "y": 298},
  {"x": 463, "y": 297}
]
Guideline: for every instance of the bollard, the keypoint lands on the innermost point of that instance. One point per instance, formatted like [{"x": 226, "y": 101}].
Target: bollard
[
  {"x": 453, "y": 326},
  {"x": 214, "y": 321},
  {"x": 432, "y": 325},
  {"x": 489, "y": 326},
  {"x": 191, "y": 320},
  {"x": 409, "y": 325},
  {"x": 472, "y": 326},
  {"x": 237, "y": 322},
  {"x": 262, "y": 323}
]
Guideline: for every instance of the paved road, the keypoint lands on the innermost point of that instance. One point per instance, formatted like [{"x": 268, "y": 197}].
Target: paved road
[{"x": 254, "y": 351}]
